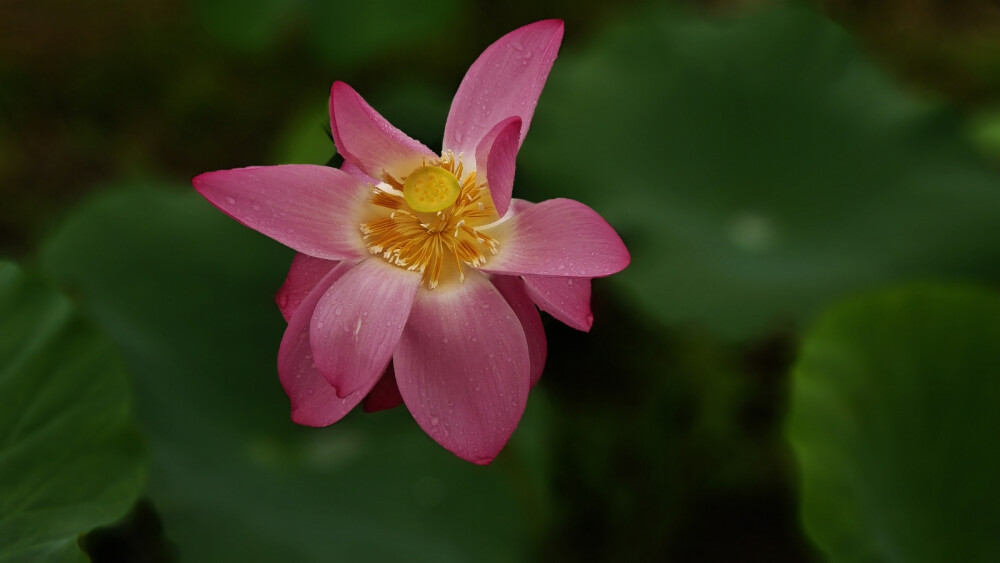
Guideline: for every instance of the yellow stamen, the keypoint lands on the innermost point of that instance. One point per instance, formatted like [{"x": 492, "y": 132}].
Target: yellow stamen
[{"x": 420, "y": 234}]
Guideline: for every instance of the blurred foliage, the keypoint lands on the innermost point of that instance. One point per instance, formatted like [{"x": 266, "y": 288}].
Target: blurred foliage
[
  {"x": 947, "y": 46},
  {"x": 71, "y": 458},
  {"x": 665, "y": 448},
  {"x": 346, "y": 33},
  {"x": 757, "y": 164},
  {"x": 894, "y": 420},
  {"x": 759, "y": 168}
]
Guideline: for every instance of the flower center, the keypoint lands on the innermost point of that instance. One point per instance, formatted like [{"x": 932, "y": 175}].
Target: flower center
[
  {"x": 430, "y": 189},
  {"x": 428, "y": 221}
]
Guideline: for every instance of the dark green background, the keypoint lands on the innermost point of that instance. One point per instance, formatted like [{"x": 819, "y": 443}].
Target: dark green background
[{"x": 800, "y": 364}]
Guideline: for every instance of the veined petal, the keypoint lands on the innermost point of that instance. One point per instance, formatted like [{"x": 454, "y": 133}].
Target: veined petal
[
  {"x": 495, "y": 155},
  {"x": 505, "y": 81},
  {"x": 462, "y": 366},
  {"x": 558, "y": 237},
  {"x": 566, "y": 299},
  {"x": 358, "y": 173},
  {"x": 314, "y": 400},
  {"x": 313, "y": 209},
  {"x": 358, "y": 322},
  {"x": 513, "y": 290},
  {"x": 368, "y": 141},
  {"x": 385, "y": 394},
  {"x": 303, "y": 275}
]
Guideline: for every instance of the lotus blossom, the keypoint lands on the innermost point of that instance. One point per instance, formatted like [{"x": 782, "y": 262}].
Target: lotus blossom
[{"x": 418, "y": 278}]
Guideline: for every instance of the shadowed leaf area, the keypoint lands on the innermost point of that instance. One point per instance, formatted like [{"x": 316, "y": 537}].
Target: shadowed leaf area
[
  {"x": 893, "y": 421},
  {"x": 70, "y": 457},
  {"x": 759, "y": 167}
]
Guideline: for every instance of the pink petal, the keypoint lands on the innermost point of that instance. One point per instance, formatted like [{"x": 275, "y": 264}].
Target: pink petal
[
  {"x": 505, "y": 81},
  {"x": 385, "y": 394},
  {"x": 558, "y": 237},
  {"x": 463, "y": 367},
  {"x": 368, "y": 141},
  {"x": 353, "y": 170},
  {"x": 314, "y": 400},
  {"x": 313, "y": 209},
  {"x": 513, "y": 290},
  {"x": 303, "y": 275},
  {"x": 566, "y": 299},
  {"x": 358, "y": 322},
  {"x": 495, "y": 156}
]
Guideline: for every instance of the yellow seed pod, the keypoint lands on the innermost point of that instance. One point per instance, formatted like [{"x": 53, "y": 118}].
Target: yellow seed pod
[{"x": 430, "y": 189}]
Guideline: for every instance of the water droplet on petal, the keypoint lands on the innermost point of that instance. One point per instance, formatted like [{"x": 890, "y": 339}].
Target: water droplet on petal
[
  {"x": 231, "y": 200},
  {"x": 255, "y": 207},
  {"x": 434, "y": 421}
]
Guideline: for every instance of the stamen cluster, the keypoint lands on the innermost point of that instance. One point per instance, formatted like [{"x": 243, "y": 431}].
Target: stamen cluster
[{"x": 435, "y": 244}]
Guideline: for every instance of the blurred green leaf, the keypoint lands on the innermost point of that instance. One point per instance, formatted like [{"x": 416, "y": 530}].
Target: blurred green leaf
[
  {"x": 758, "y": 167},
  {"x": 347, "y": 33},
  {"x": 354, "y": 32},
  {"x": 984, "y": 129},
  {"x": 188, "y": 294},
  {"x": 893, "y": 420},
  {"x": 70, "y": 457},
  {"x": 248, "y": 25},
  {"x": 307, "y": 139}
]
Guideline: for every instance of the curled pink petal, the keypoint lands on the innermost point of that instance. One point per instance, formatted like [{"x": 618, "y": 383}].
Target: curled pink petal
[
  {"x": 385, "y": 394},
  {"x": 558, "y": 237},
  {"x": 505, "y": 81},
  {"x": 314, "y": 400},
  {"x": 495, "y": 156},
  {"x": 313, "y": 209},
  {"x": 358, "y": 322},
  {"x": 303, "y": 275},
  {"x": 368, "y": 141},
  {"x": 566, "y": 299},
  {"x": 513, "y": 290},
  {"x": 462, "y": 366}
]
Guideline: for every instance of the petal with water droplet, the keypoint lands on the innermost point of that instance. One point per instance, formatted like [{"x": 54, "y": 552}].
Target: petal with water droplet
[
  {"x": 303, "y": 275},
  {"x": 513, "y": 291},
  {"x": 353, "y": 354},
  {"x": 315, "y": 210},
  {"x": 566, "y": 299},
  {"x": 461, "y": 384},
  {"x": 314, "y": 400},
  {"x": 506, "y": 79},
  {"x": 368, "y": 141},
  {"x": 558, "y": 237}
]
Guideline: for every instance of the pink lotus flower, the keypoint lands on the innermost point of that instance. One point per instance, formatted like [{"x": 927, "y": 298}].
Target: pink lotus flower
[{"x": 418, "y": 276}]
